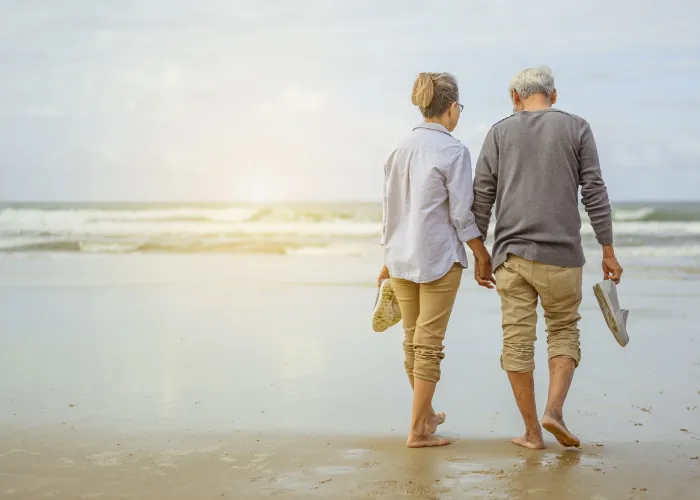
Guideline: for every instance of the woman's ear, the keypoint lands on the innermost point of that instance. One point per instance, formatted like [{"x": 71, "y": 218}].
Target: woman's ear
[{"x": 553, "y": 99}]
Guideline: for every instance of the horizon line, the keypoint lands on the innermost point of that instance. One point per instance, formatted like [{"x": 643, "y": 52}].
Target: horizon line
[{"x": 271, "y": 202}]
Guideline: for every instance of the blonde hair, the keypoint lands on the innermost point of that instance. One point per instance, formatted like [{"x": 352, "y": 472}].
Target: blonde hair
[{"x": 434, "y": 93}]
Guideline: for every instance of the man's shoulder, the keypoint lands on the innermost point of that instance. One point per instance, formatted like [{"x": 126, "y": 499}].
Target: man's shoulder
[
  {"x": 565, "y": 115},
  {"x": 503, "y": 122},
  {"x": 552, "y": 114}
]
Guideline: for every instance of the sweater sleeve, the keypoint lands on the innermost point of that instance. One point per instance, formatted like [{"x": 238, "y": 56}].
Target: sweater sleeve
[
  {"x": 594, "y": 194},
  {"x": 382, "y": 240},
  {"x": 485, "y": 183}
]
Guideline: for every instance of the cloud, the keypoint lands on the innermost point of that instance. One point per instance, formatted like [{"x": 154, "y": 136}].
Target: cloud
[
  {"x": 139, "y": 90},
  {"x": 689, "y": 146},
  {"x": 294, "y": 100}
]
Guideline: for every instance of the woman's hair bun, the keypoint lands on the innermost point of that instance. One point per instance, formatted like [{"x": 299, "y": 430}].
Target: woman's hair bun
[{"x": 423, "y": 90}]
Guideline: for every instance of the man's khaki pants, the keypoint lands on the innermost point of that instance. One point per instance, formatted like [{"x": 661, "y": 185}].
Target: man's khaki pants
[
  {"x": 520, "y": 283},
  {"x": 425, "y": 310}
]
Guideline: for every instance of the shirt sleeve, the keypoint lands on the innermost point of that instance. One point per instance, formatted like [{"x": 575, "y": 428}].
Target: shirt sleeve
[
  {"x": 485, "y": 183},
  {"x": 594, "y": 194},
  {"x": 460, "y": 195},
  {"x": 382, "y": 241}
]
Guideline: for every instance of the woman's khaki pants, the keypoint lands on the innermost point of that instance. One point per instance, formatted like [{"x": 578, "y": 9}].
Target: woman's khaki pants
[{"x": 425, "y": 309}]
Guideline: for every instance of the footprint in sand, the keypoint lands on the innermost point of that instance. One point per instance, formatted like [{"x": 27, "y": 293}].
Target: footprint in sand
[
  {"x": 106, "y": 459},
  {"x": 334, "y": 470},
  {"x": 257, "y": 463},
  {"x": 358, "y": 452},
  {"x": 167, "y": 458}
]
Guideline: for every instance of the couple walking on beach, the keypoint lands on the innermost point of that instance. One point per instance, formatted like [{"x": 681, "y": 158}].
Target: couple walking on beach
[{"x": 531, "y": 167}]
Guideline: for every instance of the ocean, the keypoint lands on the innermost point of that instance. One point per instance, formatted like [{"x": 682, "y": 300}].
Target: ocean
[{"x": 655, "y": 233}]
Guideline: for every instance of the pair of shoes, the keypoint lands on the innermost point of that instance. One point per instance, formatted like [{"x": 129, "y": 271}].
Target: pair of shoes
[
  {"x": 387, "y": 313},
  {"x": 386, "y": 308},
  {"x": 616, "y": 318}
]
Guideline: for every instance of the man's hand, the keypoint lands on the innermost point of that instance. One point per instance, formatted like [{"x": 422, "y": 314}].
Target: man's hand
[
  {"x": 483, "y": 274},
  {"x": 383, "y": 275},
  {"x": 612, "y": 270}
]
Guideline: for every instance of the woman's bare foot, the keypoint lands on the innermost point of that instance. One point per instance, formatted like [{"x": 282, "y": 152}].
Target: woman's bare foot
[
  {"x": 532, "y": 440},
  {"x": 425, "y": 441},
  {"x": 433, "y": 422},
  {"x": 555, "y": 424}
]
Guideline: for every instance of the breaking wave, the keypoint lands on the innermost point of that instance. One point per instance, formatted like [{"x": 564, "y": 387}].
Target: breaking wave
[{"x": 331, "y": 229}]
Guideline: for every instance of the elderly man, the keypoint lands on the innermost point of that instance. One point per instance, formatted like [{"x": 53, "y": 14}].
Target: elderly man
[{"x": 531, "y": 166}]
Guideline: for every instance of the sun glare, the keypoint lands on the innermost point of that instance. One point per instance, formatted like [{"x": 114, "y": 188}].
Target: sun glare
[
  {"x": 260, "y": 194},
  {"x": 257, "y": 190}
]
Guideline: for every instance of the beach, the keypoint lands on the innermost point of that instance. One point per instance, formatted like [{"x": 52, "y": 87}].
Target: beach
[
  {"x": 193, "y": 197},
  {"x": 227, "y": 351},
  {"x": 258, "y": 376}
]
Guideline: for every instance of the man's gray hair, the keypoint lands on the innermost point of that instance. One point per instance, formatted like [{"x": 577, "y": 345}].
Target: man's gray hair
[{"x": 532, "y": 81}]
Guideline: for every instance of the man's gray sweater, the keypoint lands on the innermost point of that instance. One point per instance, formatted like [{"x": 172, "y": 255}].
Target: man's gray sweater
[{"x": 531, "y": 166}]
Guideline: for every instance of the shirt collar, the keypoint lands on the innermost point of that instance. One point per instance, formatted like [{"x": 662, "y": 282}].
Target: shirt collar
[{"x": 433, "y": 126}]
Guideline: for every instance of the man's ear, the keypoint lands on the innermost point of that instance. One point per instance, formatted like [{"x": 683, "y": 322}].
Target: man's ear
[
  {"x": 553, "y": 99},
  {"x": 515, "y": 98}
]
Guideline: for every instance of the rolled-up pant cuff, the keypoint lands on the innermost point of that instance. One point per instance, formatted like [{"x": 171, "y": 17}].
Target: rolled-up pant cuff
[
  {"x": 426, "y": 362},
  {"x": 429, "y": 375},
  {"x": 409, "y": 358},
  {"x": 575, "y": 355},
  {"x": 510, "y": 364}
]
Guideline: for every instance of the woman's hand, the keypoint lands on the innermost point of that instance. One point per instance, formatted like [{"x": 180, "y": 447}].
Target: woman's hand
[{"x": 383, "y": 275}]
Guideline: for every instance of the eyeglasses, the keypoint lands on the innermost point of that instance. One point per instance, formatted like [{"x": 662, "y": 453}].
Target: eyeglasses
[{"x": 461, "y": 106}]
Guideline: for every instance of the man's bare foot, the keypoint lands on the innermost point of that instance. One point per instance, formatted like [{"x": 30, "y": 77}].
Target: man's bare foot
[
  {"x": 532, "y": 441},
  {"x": 433, "y": 422},
  {"x": 425, "y": 441},
  {"x": 555, "y": 424}
]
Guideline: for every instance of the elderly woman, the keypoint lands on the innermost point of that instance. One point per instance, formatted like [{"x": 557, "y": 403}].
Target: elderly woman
[{"x": 427, "y": 219}]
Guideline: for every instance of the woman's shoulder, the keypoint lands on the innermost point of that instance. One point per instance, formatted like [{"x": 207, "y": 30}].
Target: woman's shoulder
[
  {"x": 443, "y": 144},
  {"x": 454, "y": 150}
]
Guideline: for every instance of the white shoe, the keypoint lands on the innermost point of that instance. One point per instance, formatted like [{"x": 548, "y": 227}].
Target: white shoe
[
  {"x": 386, "y": 308},
  {"x": 616, "y": 318}
]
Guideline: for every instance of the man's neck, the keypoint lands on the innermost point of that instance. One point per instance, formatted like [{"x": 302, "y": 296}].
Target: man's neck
[
  {"x": 536, "y": 102},
  {"x": 535, "y": 108}
]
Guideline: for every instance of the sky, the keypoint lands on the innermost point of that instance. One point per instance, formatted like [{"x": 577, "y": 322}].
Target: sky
[{"x": 257, "y": 100}]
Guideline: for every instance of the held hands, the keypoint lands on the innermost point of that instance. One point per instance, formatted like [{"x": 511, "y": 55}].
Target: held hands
[
  {"x": 612, "y": 270},
  {"x": 383, "y": 275},
  {"x": 483, "y": 273}
]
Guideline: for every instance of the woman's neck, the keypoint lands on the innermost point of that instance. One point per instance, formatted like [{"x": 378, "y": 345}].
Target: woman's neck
[{"x": 438, "y": 121}]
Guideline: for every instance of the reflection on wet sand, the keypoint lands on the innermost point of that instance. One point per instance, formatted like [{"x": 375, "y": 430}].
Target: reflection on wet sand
[
  {"x": 210, "y": 387},
  {"x": 547, "y": 473}
]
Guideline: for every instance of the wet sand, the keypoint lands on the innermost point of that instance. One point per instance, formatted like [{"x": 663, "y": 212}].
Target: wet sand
[
  {"x": 255, "y": 377},
  {"x": 62, "y": 463}
]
